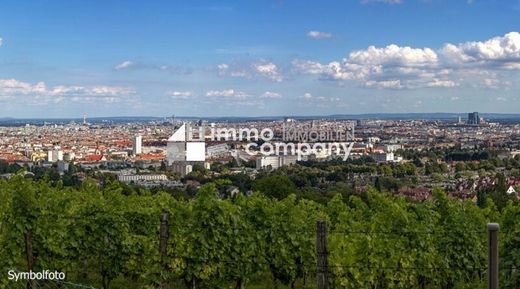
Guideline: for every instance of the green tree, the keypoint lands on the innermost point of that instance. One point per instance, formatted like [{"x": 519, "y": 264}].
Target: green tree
[{"x": 275, "y": 186}]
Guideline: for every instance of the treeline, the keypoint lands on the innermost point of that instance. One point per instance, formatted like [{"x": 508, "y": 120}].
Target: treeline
[
  {"x": 104, "y": 238},
  {"x": 467, "y": 156},
  {"x": 452, "y": 154}
]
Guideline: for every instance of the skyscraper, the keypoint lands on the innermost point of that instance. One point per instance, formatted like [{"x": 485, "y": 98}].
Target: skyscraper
[
  {"x": 54, "y": 155},
  {"x": 473, "y": 118},
  {"x": 137, "y": 145}
]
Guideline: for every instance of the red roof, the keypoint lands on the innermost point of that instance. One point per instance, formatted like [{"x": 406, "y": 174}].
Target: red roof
[
  {"x": 123, "y": 143},
  {"x": 93, "y": 158},
  {"x": 150, "y": 156},
  {"x": 13, "y": 157}
]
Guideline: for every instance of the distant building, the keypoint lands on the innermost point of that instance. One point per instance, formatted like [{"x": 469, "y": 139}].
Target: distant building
[
  {"x": 183, "y": 168},
  {"x": 217, "y": 150},
  {"x": 119, "y": 154},
  {"x": 385, "y": 157},
  {"x": 275, "y": 162},
  {"x": 54, "y": 156},
  {"x": 373, "y": 139},
  {"x": 361, "y": 122},
  {"x": 70, "y": 156},
  {"x": 95, "y": 158},
  {"x": 63, "y": 166},
  {"x": 137, "y": 145},
  {"x": 135, "y": 178},
  {"x": 148, "y": 181},
  {"x": 390, "y": 148},
  {"x": 473, "y": 118},
  {"x": 38, "y": 156}
]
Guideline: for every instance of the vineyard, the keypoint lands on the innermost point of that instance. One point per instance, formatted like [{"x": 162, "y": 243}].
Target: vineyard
[{"x": 103, "y": 238}]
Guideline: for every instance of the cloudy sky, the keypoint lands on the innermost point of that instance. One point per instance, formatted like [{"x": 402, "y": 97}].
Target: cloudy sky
[{"x": 259, "y": 58}]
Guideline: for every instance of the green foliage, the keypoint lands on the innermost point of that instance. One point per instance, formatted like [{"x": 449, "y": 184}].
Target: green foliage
[
  {"x": 277, "y": 186},
  {"x": 459, "y": 167},
  {"x": 108, "y": 238}
]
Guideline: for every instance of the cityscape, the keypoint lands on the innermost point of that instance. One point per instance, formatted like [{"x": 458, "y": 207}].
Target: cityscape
[
  {"x": 364, "y": 144},
  {"x": 158, "y": 154}
]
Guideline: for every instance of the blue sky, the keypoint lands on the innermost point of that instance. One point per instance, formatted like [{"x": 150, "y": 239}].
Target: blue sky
[{"x": 231, "y": 58}]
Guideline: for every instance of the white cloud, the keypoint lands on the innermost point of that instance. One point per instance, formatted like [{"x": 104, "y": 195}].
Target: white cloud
[
  {"x": 501, "y": 51},
  {"x": 310, "y": 67},
  {"x": 227, "y": 93},
  {"x": 250, "y": 70},
  {"x": 327, "y": 99},
  {"x": 133, "y": 65},
  {"x": 1, "y": 41},
  {"x": 314, "y": 34},
  {"x": 107, "y": 90},
  {"x": 271, "y": 94},
  {"x": 39, "y": 93},
  {"x": 8, "y": 86},
  {"x": 235, "y": 70},
  {"x": 333, "y": 70},
  {"x": 319, "y": 101},
  {"x": 181, "y": 94},
  {"x": 396, "y": 67},
  {"x": 125, "y": 65},
  {"x": 441, "y": 83},
  {"x": 269, "y": 70},
  {"x": 491, "y": 82},
  {"x": 393, "y": 84},
  {"x": 393, "y": 55},
  {"x": 378, "y": 67},
  {"x": 307, "y": 96},
  {"x": 222, "y": 67},
  {"x": 494, "y": 83}
]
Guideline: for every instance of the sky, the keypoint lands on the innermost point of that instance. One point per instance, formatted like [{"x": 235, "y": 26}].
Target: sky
[{"x": 257, "y": 57}]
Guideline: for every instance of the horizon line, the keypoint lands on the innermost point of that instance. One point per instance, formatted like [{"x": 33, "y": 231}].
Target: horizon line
[{"x": 262, "y": 116}]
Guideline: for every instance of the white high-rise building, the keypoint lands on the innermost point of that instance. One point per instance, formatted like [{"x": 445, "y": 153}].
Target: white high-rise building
[
  {"x": 138, "y": 145},
  {"x": 54, "y": 155},
  {"x": 274, "y": 162}
]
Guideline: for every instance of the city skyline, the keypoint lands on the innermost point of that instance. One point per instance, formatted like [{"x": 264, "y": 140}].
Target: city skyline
[{"x": 260, "y": 58}]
